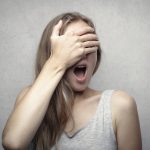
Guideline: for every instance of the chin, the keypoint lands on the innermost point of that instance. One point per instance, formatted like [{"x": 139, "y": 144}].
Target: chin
[{"x": 79, "y": 88}]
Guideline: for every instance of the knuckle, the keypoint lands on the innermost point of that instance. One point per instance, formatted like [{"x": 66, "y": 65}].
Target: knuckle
[
  {"x": 91, "y": 29},
  {"x": 82, "y": 49},
  {"x": 79, "y": 45},
  {"x": 70, "y": 33},
  {"x": 88, "y": 43},
  {"x": 76, "y": 38}
]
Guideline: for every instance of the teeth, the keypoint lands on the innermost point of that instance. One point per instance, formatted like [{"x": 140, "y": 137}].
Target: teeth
[
  {"x": 82, "y": 66},
  {"x": 80, "y": 70}
]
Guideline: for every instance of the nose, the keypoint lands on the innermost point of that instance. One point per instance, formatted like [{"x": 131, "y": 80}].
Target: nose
[{"x": 84, "y": 57}]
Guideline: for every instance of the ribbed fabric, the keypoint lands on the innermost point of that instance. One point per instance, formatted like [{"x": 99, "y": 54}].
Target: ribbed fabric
[{"x": 98, "y": 134}]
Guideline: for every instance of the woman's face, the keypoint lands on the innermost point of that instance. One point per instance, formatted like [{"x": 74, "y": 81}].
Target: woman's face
[{"x": 80, "y": 74}]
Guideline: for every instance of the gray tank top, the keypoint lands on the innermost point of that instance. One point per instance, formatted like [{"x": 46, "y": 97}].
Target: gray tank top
[{"x": 98, "y": 134}]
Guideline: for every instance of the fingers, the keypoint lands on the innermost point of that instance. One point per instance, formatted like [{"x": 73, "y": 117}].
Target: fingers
[
  {"x": 57, "y": 28},
  {"x": 90, "y": 50},
  {"x": 70, "y": 33},
  {"x": 88, "y": 37},
  {"x": 84, "y": 31},
  {"x": 86, "y": 40},
  {"x": 90, "y": 44}
]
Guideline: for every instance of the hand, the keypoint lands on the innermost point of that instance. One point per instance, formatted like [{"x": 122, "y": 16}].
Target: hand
[{"x": 69, "y": 48}]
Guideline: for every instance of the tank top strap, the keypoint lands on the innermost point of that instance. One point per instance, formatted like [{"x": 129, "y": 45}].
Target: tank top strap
[
  {"x": 106, "y": 104},
  {"x": 107, "y": 114},
  {"x": 107, "y": 98}
]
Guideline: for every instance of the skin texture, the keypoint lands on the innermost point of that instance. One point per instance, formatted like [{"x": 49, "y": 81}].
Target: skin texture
[
  {"x": 124, "y": 111},
  {"x": 19, "y": 131},
  {"x": 89, "y": 59},
  {"x": 126, "y": 122}
]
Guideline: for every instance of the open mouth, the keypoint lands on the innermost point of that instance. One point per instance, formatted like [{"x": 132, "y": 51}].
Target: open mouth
[{"x": 80, "y": 71}]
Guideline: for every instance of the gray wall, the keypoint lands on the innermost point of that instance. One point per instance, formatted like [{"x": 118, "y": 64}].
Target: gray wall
[{"x": 123, "y": 29}]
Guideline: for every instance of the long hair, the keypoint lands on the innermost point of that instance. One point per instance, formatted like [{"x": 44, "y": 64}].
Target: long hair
[{"x": 62, "y": 100}]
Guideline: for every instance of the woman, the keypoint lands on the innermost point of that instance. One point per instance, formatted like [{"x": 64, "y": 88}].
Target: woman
[{"x": 59, "y": 110}]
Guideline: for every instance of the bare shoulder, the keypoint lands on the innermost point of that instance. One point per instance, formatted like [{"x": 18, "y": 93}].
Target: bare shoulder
[
  {"x": 122, "y": 101},
  {"x": 126, "y": 121},
  {"x": 122, "y": 104},
  {"x": 22, "y": 93}
]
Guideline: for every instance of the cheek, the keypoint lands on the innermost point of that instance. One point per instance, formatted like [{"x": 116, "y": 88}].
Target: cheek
[
  {"x": 92, "y": 58},
  {"x": 68, "y": 74}
]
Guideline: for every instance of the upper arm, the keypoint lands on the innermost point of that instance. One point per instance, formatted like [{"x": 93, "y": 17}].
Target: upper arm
[
  {"x": 19, "y": 98},
  {"x": 127, "y": 122},
  {"x": 22, "y": 94}
]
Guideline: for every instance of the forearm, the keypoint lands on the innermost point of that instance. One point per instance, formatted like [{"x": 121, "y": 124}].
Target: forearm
[{"x": 28, "y": 114}]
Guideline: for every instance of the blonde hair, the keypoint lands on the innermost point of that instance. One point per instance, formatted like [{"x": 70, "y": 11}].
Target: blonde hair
[{"x": 59, "y": 109}]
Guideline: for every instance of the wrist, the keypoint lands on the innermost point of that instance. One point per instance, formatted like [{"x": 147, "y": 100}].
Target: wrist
[{"x": 55, "y": 65}]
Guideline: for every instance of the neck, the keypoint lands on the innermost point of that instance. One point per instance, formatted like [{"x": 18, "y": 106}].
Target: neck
[{"x": 81, "y": 96}]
